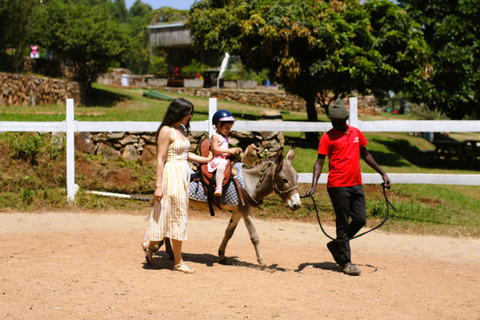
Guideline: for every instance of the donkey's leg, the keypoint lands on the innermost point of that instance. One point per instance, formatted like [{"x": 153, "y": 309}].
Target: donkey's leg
[
  {"x": 232, "y": 225},
  {"x": 247, "y": 217}
]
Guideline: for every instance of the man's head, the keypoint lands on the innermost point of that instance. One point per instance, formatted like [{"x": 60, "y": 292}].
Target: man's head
[
  {"x": 337, "y": 110},
  {"x": 338, "y": 115}
]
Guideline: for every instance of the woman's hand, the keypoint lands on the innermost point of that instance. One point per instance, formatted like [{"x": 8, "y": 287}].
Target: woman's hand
[{"x": 158, "y": 195}]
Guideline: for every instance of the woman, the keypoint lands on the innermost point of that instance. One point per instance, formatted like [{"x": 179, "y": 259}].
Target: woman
[{"x": 169, "y": 214}]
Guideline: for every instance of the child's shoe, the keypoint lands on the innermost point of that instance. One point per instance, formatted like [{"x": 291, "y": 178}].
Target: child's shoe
[{"x": 218, "y": 191}]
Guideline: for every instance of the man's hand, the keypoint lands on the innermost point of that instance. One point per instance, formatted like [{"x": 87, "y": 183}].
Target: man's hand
[
  {"x": 310, "y": 191},
  {"x": 386, "y": 181}
]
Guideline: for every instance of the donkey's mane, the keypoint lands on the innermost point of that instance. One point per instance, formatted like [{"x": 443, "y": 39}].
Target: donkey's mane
[{"x": 271, "y": 159}]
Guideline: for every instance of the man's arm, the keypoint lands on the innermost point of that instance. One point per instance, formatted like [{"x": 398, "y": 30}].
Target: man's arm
[
  {"x": 317, "y": 171},
  {"x": 367, "y": 157}
]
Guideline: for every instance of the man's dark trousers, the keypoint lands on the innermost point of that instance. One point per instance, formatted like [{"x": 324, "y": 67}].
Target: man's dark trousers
[{"x": 348, "y": 202}]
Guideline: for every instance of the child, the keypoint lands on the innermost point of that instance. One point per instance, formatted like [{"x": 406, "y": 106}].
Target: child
[{"x": 223, "y": 122}]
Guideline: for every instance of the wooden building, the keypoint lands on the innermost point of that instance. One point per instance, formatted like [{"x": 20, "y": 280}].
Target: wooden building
[{"x": 174, "y": 38}]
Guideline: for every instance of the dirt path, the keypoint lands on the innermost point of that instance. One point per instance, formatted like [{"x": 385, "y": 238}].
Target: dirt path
[{"x": 90, "y": 266}]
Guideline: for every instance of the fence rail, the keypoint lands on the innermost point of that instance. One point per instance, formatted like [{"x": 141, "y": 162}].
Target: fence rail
[{"x": 70, "y": 126}]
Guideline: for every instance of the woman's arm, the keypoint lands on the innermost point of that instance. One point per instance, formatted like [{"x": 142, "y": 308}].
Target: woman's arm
[{"x": 195, "y": 158}]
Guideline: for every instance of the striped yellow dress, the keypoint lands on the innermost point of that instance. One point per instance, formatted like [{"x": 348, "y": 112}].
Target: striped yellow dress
[{"x": 169, "y": 217}]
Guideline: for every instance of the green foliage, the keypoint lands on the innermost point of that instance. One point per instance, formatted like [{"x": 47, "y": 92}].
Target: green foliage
[
  {"x": 238, "y": 72},
  {"x": 139, "y": 9},
  {"x": 15, "y": 17},
  {"x": 159, "y": 63},
  {"x": 140, "y": 16},
  {"x": 28, "y": 147},
  {"x": 194, "y": 67},
  {"x": 87, "y": 38},
  {"x": 319, "y": 50},
  {"x": 168, "y": 14},
  {"x": 453, "y": 79}
]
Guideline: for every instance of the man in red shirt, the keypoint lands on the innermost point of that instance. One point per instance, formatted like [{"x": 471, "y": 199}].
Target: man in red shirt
[{"x": 344, "y": 145}]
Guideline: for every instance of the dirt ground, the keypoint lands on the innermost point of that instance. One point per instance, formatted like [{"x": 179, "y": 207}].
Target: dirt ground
[{"x": 91, "y": 266}]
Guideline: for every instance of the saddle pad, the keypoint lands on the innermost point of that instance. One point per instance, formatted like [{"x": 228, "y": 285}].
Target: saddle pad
[{"x": 229, "y": 197}]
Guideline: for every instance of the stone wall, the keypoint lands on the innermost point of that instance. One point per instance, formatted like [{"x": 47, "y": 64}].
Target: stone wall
[
  {"x": 246, "y": 92},
  {"x": 140, "y": 146},
  {"x": 21, "y": 90},
  {"x": 367, "y": 105},
  {"x": 275, "y": 100}
]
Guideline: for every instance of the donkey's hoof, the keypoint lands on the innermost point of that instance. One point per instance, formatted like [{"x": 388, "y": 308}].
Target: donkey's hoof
[
  {"x": 267, "y": 268},
  {"x": 223, "y": 261}
]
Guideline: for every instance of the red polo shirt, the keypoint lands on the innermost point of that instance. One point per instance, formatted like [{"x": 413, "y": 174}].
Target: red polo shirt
[{"x": 343, "y": 152}]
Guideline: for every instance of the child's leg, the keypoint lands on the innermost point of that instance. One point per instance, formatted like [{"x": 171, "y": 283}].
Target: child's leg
[{"x": 219, "y": 179}]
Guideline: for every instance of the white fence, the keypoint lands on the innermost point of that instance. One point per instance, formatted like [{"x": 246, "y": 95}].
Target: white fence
[{"x": 70, "y": 126}]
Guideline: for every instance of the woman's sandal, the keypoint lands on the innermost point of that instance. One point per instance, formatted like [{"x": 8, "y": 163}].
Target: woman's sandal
[
  {"x": 183, "y": 268},
  {"x": 148, "y": 252}
]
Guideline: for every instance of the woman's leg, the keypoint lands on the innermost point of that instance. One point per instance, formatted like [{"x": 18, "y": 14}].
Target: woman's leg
[
  {"x": 149, "y": 248},
  {"x": 177, "y": 253}
]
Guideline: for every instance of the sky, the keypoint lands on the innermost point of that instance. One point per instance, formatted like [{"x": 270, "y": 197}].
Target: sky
[
  {"x": 156, "y": 4},
  {"x": 176, "y": 4}
]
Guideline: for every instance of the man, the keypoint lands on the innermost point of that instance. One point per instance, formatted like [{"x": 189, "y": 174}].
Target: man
[{"x": 344, "y": 145}]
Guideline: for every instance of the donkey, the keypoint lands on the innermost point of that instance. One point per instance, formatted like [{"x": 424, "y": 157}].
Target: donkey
[{"x": 269, "y": 175}]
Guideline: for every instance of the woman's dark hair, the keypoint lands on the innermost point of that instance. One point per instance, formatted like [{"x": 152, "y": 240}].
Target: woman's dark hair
[{"x": 177, "y": 110}]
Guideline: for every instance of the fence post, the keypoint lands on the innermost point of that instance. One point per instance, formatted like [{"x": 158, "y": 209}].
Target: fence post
[
  {"x": 212, "y": 108},
  {"x": 353, "y": 112},
  {"x": 70, "y": 129}
]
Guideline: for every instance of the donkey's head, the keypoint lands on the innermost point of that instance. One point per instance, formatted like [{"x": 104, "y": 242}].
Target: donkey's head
[{"x": 285, "y": 180}]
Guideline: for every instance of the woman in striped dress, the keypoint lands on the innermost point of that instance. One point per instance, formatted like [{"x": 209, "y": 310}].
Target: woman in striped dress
[{"x": 169, "y": 214}]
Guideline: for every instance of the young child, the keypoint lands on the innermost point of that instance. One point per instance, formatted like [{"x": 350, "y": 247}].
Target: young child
[{"x": 223, "y": 122}]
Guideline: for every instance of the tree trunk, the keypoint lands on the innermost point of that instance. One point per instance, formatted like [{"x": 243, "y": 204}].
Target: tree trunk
[{"x": 312, "y": 116}]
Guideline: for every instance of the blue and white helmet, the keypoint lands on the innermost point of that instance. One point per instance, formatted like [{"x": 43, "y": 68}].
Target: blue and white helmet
[{"x": 222, "y": 115}]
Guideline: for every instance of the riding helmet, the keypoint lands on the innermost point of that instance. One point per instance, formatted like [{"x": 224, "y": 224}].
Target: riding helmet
[{"x": 222, "y": 115}]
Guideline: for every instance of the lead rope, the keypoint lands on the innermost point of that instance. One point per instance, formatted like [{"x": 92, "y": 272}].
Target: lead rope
[{"x": 387, "y": 203}]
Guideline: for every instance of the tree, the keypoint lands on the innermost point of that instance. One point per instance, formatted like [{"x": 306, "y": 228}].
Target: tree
[
  {"x": 139, "y": 9},
  {"x": 319, "y": 50},
  {"x": 140, "y": 15},
  {"x": 15, "y": 16},
  {"x": 85, "y": 37},
  {"x": 452, "y": 33}
]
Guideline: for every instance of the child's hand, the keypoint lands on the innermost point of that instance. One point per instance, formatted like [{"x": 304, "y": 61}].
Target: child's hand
[{"x": 237, "y": 151}]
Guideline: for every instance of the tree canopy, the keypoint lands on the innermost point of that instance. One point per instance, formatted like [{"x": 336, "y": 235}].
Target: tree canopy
[
  {"x": 87, "y": 37},
  {"x": 14, "y": 16},
  {"x": 452, "y": 32},
  {"x": 122, "y": 37},
  {"x": 319, "y": 50}
]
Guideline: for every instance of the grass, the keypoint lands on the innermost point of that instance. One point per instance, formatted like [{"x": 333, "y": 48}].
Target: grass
[{"x": 33, "y": 177}]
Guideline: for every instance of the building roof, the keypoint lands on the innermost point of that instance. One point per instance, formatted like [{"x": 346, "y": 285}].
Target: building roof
[{"x": 167, "y": 25}]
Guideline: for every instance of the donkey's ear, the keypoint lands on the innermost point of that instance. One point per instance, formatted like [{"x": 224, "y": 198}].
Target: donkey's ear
[
  {"x": 291, "y": 154},
  {"x": 279, "y": 159}
]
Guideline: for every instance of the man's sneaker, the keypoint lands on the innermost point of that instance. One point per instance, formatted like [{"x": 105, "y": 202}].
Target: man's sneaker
[{"x": 351, "y": 269}]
